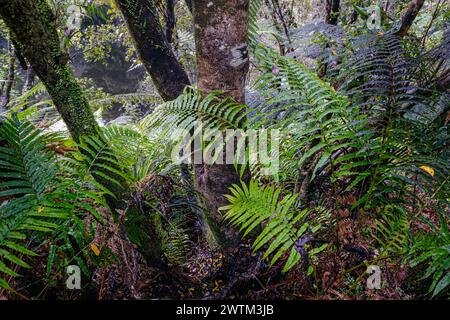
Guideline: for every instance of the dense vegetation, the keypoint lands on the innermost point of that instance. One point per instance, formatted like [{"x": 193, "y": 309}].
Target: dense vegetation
[{"x": 353, "y": 97}]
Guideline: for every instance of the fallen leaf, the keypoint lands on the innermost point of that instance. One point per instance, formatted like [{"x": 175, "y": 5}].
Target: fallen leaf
[
  {"x": 95, "y": 249},
  {"x": 428, "y": 170}
]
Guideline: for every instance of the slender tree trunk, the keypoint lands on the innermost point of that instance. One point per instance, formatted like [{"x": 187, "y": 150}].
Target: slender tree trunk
[
  {"x": 332, "y": 11},
  {"x": 153, "y": 48},
  {"x": 275, "y": 12},
  {"x": 222, "y": 63},
  {"x": 29, "y": 79},
  {"x": 408, "y": 17},
  {"x": 9, "y": 79},
  {"x": 386, "y": 6},
  {"x": 170, "y": 20},
  {"x": 279, "y": 12}
]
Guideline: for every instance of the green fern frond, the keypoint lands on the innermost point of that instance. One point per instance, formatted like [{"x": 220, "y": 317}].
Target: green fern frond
[
  {"x": 214, "y": 112},
  {"x": 434, "y": 249},
  {"x": 34, "y": 198},
  {"x": 391, "y": 230},
  {"x": 253, "y": 28},
  {"x": 287, "y": 229}
]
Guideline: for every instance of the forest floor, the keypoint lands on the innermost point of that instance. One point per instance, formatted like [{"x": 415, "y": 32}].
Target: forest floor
[{"x": 339, "y": 273}]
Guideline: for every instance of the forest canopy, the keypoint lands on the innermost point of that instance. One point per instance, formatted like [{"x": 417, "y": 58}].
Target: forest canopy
[{"x": 242, "y": 149}]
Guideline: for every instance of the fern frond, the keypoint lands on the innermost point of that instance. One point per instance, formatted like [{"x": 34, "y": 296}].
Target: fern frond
[
  {"x": 33, "y": 197},
  {"x": 287, "y": 229},
  {"x": 433, "y": 248},
  {"x": 391, "y": 230},
  {"x": 215, "y": 113}
]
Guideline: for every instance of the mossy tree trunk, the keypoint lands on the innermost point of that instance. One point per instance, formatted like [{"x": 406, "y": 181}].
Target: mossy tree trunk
[
  {"x": 32, "y": 26},
  {"x": 151, "y": 44},
  {"x": 221, "y": 29}
]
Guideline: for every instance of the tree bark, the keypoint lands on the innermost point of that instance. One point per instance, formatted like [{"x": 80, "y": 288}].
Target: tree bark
[
  {"x": 29, "y": 79},
  {"x": 408, "y": 17},
  {"x": 222, "y": 63},
  {"x": 153, "y": 48},
  {"x": 9, "y": 79},
  {"x": 37, "y": 39},
  {"x": 170, "y": 19},
  {"x": 332, "y": 12}
]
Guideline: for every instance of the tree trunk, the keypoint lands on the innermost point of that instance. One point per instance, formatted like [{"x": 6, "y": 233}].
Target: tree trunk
[
  {"x": 36, "y": 35},
  {"x": 9, "y": 79},
  {"x": 29, "y": 79},
  {"x": 276, "y": 13},
  {"x": 332, "y": 11},
  {"x": 222, "y": 63},
  {"x": 408, "y": 17},
  {"x": 170, "y": 19},
  {"x": 37, "y": 38},
  {"x": 153, "y": 48}
]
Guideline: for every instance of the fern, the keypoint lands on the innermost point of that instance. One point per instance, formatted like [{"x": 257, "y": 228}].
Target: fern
[
  {"x": 433, "y": 248},
  {"x": 287, "y": 229},
  {"x": 391, "y": 230},
  {"x": 97, "y": 163},
  {"x": 253, "y": 28},
  {"x": 34, "y": 198},
  {"x": 175, "y": 240},
  {"x": 320, "y": 121},
  {"x": 215, "y": 113},
  {"x": 157, "y": 196}
]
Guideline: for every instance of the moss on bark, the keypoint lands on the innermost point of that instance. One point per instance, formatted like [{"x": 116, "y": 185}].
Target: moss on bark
[
  {"x": 32, "y": 25},
  {"x": 33, "y": 28}
]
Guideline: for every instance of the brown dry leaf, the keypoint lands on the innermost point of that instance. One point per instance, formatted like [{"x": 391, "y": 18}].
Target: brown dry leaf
[
  {"x": 326, "y": 279},
  {"x": 344, "y": 213}
]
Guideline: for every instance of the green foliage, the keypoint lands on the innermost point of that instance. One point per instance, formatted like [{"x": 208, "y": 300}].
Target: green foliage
[
  {"x": 170, "y": 211},
  {"x": 392, "y": 230},
  {"x": 368, "y": 136},
  {"x": 319, "y": 121},
  {"x": 434, "y": 249},
  {"x": 175, "y": 240},
  {"x": 213, "y": 112},
  {"x": 287, "y": 229},
  {"x": 35, "y": 198},
  {"x": 253, "y": 28}
]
